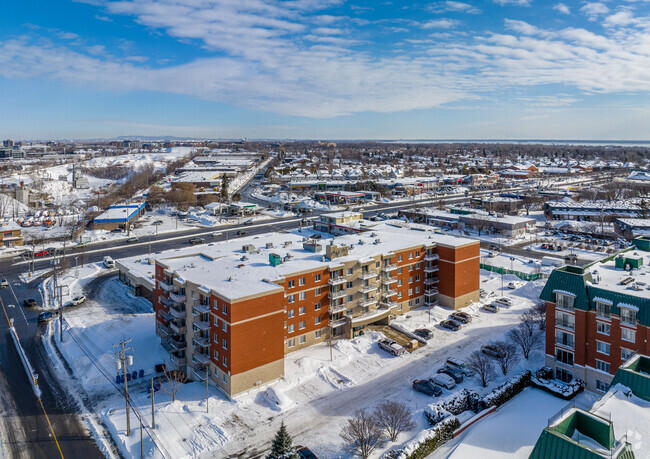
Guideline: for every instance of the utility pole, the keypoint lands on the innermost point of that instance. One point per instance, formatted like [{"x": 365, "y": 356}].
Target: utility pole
[
  {"x": 153, "y": 413},
  {"x": 125, "y": 360},
  {"x": 207, "y": 394}
]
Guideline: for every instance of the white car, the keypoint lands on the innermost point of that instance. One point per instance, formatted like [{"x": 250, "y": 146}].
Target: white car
[
  {"x": 391, "y": 346},
  {"x": 503, "y": 301},
  {"x": 78, "y": 300},
  {"x": 4, "y": 283},
  {"x": 444, "y": 380},
  {"x": 512, "y": 286}
]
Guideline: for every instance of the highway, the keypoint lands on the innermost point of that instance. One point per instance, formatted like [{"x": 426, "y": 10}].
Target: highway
[{"x": 26, "y": 424}]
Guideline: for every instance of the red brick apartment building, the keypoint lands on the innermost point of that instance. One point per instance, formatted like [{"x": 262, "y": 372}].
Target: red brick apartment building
[
  {"x": 234, "y": 309},
  {"x": 597, "y": 318}
]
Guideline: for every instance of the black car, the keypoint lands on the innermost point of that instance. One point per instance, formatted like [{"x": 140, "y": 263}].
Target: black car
[
  {"x": 450, "y": 324},
  {"x": 316, "y": 236},
  {"x": 491, "y": 350},
  {"x": 457, "y": 375},
  {"x": 44, "y": 316},
  {"x": 241, "y": 233},
  {"x": 197, "y": 240},
  {"x": 305, "y": 453},
  {"x": 424, "y": 333},
  {"x": 427, "y": 387},
  {"x": 461, "y": 317},
  {"x": 29, "y": 302}
]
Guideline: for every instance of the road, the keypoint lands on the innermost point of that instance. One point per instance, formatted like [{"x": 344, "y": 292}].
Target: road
[{"x": 26, "y": 427}]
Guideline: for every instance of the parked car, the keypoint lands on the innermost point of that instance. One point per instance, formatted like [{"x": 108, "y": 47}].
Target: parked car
[
  {"x": 511, "y": 285},
  {"x": 248, "y": 222},
  {"x": 461, "y": 317},
  {"x": 132, "y": 239},
  {"x": 491, "y": 350},
  {"x": 459, "y": 365},
  {"x": 424, "y": 333},
  {"x": 80, "y": 245},
  {"x": 44, "y": 316},
  {"x": 427, "y": 387},
  {"x": 450, "y": 324},
  {"x": 444, "y": 380},
  {"x": 454, "y": 373},
  {"x": 494, "y": 247},
  {"x": 571, "y": 258},
  {"x": 491, "y": 307},
  {"x": 197, "y": 240},
  {"x": 216, "y": 234},
  {"x": 78, "y": 300},
  {"x": 503, "y": 301},
  {"x": 157, "y": 222},
  {"x": 316, "y": 236},
  {"x": 4, "y": 283},
  {"x": 241, "y": 233},
  {"x": 305, "y": 453},
  {"x": 29, "y": 302},
  {"x": 391, "y": 346}
]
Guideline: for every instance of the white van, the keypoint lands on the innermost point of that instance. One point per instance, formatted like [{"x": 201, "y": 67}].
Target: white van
[{"x": 108, "y": 262}]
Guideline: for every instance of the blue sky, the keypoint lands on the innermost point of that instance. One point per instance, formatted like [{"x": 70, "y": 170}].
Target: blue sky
[{"x": 343, "y": 69}]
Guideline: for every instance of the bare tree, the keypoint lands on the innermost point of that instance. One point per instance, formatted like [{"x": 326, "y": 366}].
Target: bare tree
[
  {"x": 394, "y": 417},
  {"x": 482, "y": 365},
  {"x": 175, "y": 378},
  {"x": 526, "y": 338},
  {"x": 480, "y": 221},
  {"x": 509, "y": 356},
  {"x": 539, "y": 311},
  {"x": 362, "y": 433}
]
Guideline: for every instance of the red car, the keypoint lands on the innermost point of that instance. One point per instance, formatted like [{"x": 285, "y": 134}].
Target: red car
[{"x": 42, "y": 253}]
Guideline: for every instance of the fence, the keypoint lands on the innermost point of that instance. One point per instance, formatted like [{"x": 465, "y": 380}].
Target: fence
[{"x": 519, "y": 274}]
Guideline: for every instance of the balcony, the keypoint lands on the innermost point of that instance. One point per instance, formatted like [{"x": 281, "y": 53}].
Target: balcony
[
  {"x": 367, "y": 275},
  {"x": 564, "y": 342},
  {"x": 431, "y": 269},
  {"x": 430, "y": 303},
  {"x": 389, "y": 268},
  {"x": 166, "y": 302},
  {"x": 177, "y": 329},
  {"x": 370, "y": 317},
  {"x": 431, "y": 291},
  {"x": 201, "y": 358},
  {"x": 177, "y": 313},
  {"x": 201, "y": 325},
  {"x": 163, "y": 329},
  {"x": 199, "y": 309},
  {"x": 177, "y": 298},
  {"x": 337, "y": 280},
  {"x": 201, "y": 341},
  {"x": 389, "y": 304},
  {"x": 167, "y": 287},
  {"x": 338, "y": 323},
  {"x": 368, "y": 288},
  {"x": 177, "y": 344},
  {"x": 431, "y": 257},
  {"x": 389, "y": 293},
  {"x": 337, "y": 308},
  {"x": 164, "y": 315},
  {"x": 388, "y": 280},
  {"x": 367, "y": 302},
  {"x": 178, "y": 359},
  {"x": 337, "y": 294},
  {"x": 199, "y": 374},
  {"x": 431, "y": 281}
]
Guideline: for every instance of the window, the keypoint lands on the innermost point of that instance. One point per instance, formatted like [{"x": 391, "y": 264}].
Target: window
[
  {"x": 316, "y": 306},
  {"x": 224, "y": 326},
  {"x": 399, "y": 295},
  {"x": 410, "y": 291},
  {"x": 224, "y": 308},
  {"x": 603, "y": 310},
  {"x": 565, "y": 320},
  {"x": 602, "y": 366},
  {"x": 317, "y": 292},
  {"x": 628, "y": 335},
  {"x": 564, "y": 301},
  {"x": 291, "y": 298},
  {"x": 399, "y": 283},
  {"x": 410, "y": 268},
  {"x": 216, "y": 338},
  {"x": 225, "y": 378},
  {"x": 291, "y": 342},
  {"x": 317, "y": 334},
  {"x": 563, "y": 375},
  {"x": 348, "y": 284},
  {"x": 303, "y": 339},
  {"x": 628, "y": 316},
  {"x": 291, "y": 328},
  {"x": 601, "y": 386},
  {"x": 399, "y": 270},
  {"x": 399, "y": 258},
  {"x": 626, "y": 353},
  {"x": 417, "y": 301},
  {"x": 291, "y": 313},
  {"x": 417, "y": 290},
  {"x": 602, "y": 347},
  {"x": 292, "y": 284},
  {"x": 224, "y": 360},
  {"x": 563, "y": 356},
  {"x": 410, "y": 255},
  {"x": 417, "y": 253},
  {"x": 301, "y": 281},
  {"x": 302, "y": 295},
  {"x": 216, "y": 322},
  {"x": 410, "y": 303},
  {"x": 417, "y": 278},
  {"x": 563, "y": 338},
  {"x": 224, "y": 344},
  {"x": 317, "y": 277},
  {"x": 603, "y": 328},
  {"x": 216, "y": 356},
  {"x": 350, "y": 298},
  {"x": 301, "y": 325},
  {"x": 301, "y": 311},
  {"x": 410, "y": 279},
  {"x": 350, "y": 271},
  {"x": 317, "y": 320}
]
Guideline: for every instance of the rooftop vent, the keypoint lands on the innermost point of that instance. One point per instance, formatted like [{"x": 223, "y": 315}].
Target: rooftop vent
[
  {"x": 269, "y": 245},
  {"x": 287, "y": 243},
  {"x": 230, "y": 279}
]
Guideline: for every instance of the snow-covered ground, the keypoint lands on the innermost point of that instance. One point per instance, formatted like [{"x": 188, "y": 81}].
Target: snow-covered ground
[
  {"x": 314, "y": 398},
  {"x": 514, "y": 262}
]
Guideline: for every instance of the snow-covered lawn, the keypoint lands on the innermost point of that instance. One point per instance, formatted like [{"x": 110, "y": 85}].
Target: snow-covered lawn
[{"x": 314, "y": 398}]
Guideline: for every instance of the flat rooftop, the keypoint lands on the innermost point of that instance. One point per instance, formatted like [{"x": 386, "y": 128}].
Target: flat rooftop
[{"x": 607, "y": 276}]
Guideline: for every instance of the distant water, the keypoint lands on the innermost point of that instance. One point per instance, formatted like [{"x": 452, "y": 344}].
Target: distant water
[{"x": 591, "y": 143}]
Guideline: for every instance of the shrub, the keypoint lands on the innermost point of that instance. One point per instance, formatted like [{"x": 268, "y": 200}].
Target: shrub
[
  {"x": 544, "y": 373},
  {"x": 464, "y": 400},
  {"x": 427, "y": 442},
  {"x": 564, "y": 391},
  {"x": 505, "y": 391}
]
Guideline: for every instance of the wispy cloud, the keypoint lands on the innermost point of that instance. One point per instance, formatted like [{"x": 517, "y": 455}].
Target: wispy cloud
[
  {"x": 513, "y": 2},
  {"x": 440, "y": 24},
  {"x": 562, "y": 8},
  {"x": 452, "y": 6},
  {"x": 594, "y": 9}
]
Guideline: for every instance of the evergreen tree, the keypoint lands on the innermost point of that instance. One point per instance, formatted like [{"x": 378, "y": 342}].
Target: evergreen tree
[
  {"x": 281, "y": 447},
  {"x": 224, "y": 188}
]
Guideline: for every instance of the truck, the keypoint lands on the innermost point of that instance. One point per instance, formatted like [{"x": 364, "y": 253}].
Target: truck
[
  {"x": 552, "y": 261},
  {"x": 108, "y": 262}
]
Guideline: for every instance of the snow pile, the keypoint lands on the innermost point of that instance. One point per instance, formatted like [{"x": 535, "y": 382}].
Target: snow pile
[
  {"x": 408, "y": 333},
  {"x": 564, "y": 391},
  {"x": 455, "y": 404},
  {"x": 277, "y": 399},
  {"x": 426, "y": 441},
  {"x": 506, "y": 391}
]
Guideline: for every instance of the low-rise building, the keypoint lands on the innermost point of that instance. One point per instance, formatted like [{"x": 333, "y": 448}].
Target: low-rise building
[
  {"x": 11, "y": 235},
  {"x": 632, "y": 227},
  {"x": 590, "y": 211},
  {"x": 120, "y": 216}
]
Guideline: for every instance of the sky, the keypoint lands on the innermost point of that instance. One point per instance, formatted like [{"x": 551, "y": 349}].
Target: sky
[{"x": 325, "y": 69}]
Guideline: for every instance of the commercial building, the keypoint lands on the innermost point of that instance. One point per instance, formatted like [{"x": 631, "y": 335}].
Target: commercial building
[
  {"x": 119, "y": 216},
  {"x": 597, "y": 317},
  {"x": 590, "y": 211},
  {"x": 10, "y": 235},
  {"x": 632, "y": 227},
  {"x": 234, "y": 309}
]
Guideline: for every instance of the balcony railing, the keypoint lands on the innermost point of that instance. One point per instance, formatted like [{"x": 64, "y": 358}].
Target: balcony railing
[
  {"x": 177, "y": 344},
  {"x": 368, "y": 288},
  {"x": 178, "y": 359},
  {"x": 200, "y": 358},
  {"x": 367, "y": 302},
  {"x": 389, "y": 304},
  {"x": 177, "y": 298},
  {"x": 367, "y": 274},
  {"x": 167, "y": 287},
  {"x": 166, "y": 302},
  {"x": 389, "y": 293},
  {"x": 431, "y": 291},
  {"x": 564, "y": 342},
  {"x": 199, "y": 374},
  {"x": 337, "y": 308},
  {"x": 338, "y": 323},
  {"x": 431, "y": 269},
  {"x": 431, "y": 257},
  {"x": 431, "y": 281},
  {"x": 388, "y": 268},
  {"x": 177, "y": 313},
  {"x": 388, "y": 280},
  {"x": 163, "y": 329},
  {"x": 429, "y": 303},
  {"x": 201, "y": 325},
  {"x": 200, "y": 309},
  {"x": 337, "y": 280},
  {"x": 200, "y": 341},
  {"x": 337, "y": 294},
  {"x": 177, "y": 329},
  {"x": 164, "y": 315}
]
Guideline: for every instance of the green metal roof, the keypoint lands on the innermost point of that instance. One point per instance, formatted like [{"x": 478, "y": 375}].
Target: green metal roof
[
  {"x": 643, "y": 316},
  {"x": 635, "y": 374},
  {"x": 569, "y": 279}
]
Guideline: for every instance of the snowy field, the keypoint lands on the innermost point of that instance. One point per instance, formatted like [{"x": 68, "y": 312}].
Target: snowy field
[{"x": 314, "y": 398}]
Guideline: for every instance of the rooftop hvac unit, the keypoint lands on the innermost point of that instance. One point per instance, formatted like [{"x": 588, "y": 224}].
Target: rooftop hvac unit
[{"x": 269, "y": 245}]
